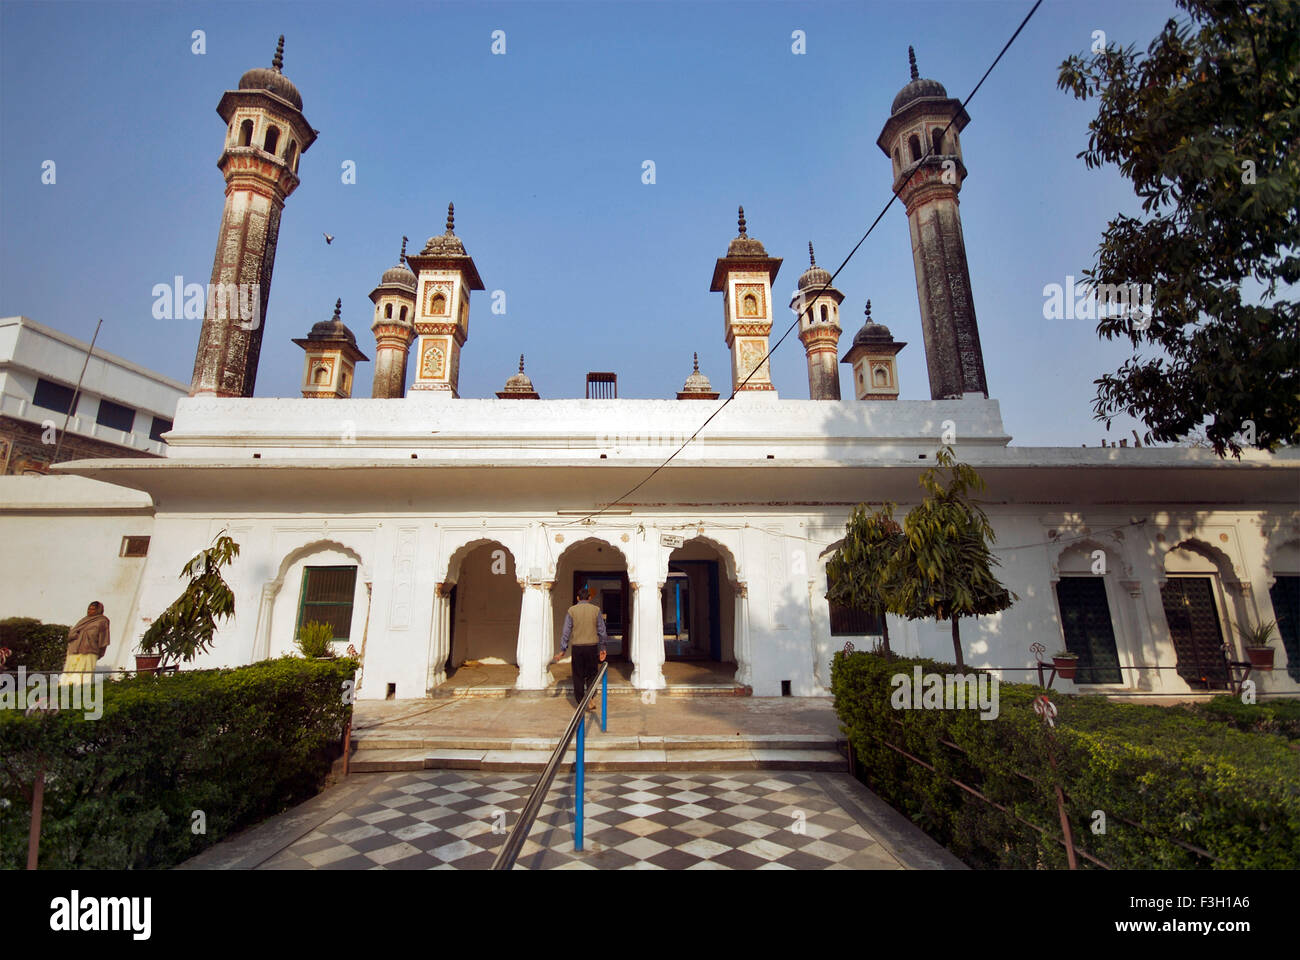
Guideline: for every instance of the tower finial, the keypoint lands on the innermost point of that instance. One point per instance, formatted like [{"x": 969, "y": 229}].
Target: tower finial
[
  {"x": 278, "y": 63},
  {"x": 697, "y": 361},
  {"x": 521, "y": 363},
  {"x": 868, "y": 311},
  {"x": 338, "y": 306},
  {"x": 451, "y": 218},
  {"x": 740, "y": 221},
  {"x": 812, "y": 260},
  {"x": 911, "y": 61},
  {"x": 401, "y": 257}
]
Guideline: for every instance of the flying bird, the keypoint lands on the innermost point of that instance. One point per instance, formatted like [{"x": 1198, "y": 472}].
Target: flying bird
[{"x": 328, "y": 238}]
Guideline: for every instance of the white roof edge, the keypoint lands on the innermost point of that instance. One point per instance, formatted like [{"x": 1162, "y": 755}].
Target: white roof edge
[{"x": 82, "y": 345}]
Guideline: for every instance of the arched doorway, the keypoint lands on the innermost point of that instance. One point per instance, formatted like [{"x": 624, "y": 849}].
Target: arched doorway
[
  {"x": 699, "y": 614},
  {"x": 485, "y": 600},
  {"x": 601, "y": 566}
]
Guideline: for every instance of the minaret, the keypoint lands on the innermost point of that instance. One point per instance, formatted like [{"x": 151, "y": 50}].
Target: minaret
[
  {"x": 266, "y": 133},
  {"x": 332, "y": 356},
  {"x": 745, "y": 276},
  {"x": 394, "y": 328},
  {"x": 928, "y": 188},
  {"x": 446, "y": 277},
  {"x": 819, "y": 328},
  {"x": 874, "y": 356}
]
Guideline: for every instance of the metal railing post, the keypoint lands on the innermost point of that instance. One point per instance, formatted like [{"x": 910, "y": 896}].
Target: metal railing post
[
  {"x": 577, "y": 843},
  {"x": 604, "y": 698}
]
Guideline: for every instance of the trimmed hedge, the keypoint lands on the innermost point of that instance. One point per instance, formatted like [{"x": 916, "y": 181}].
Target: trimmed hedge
[
  {"x": 1160, "y": 775},
  {"x": 239, "y": 745},
  {"x": 35, "y": 645},
  {"x": 1271, "y": 716}
]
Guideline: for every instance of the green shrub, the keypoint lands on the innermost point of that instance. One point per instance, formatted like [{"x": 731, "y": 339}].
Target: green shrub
[
  {"x": 121, "y": 791},
  {"x": 314, "y": 639},
  {"x": 1160, "y": 775},
  {"x": 1272, "y": 716},
  {"x": 35, "y": 645}
]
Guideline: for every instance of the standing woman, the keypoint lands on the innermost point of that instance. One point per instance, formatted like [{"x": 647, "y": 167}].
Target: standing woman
[{"x": 87, "y": 643}]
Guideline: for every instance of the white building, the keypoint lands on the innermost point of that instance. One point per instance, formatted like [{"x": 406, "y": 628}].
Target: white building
[{"x": 431, "y": 529}]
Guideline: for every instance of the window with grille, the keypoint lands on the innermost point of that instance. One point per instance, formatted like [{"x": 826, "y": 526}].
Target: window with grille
[
  {"x": 115, "y": 416},
  {"x": 848, "y": 622},
  {"x": 1193, "y": 620},
  {"x": 135, "y": 546},
  {"x": 53, "y": 396},
  {"x": 327, "y": 594},
  {"x": 1086, "y": 624}
]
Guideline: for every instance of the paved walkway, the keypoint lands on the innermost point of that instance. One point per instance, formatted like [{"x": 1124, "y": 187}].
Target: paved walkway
[{"x": 456, "y": 820}]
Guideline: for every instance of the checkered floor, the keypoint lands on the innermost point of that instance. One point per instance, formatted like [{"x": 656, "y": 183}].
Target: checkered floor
[{"x": 457, "y": 820}]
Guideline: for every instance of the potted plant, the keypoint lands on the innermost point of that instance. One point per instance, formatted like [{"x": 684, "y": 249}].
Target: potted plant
[
  {"x": 1258, "y": 643},
  {"x": 1066, "y": 663},
  {"x": 315, "y": 640},
  {"x": 185, "y": 629}
]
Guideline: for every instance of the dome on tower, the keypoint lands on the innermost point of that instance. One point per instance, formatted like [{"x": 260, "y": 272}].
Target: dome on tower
[
  {"x": 697, "y": 385},
  {"x": 519, "y": 386},
  {"x": 918, "y": 88},
  {"x": 272, "y": 80},
  {"x": 744, "y": 245},
  {"x": 333, "y": 329},
  {"x": 447, "y": 243},
  {"x": 400, "y": 275},
  {"x": 815, "y": 276},
  {"x": 872, "y": 333}
]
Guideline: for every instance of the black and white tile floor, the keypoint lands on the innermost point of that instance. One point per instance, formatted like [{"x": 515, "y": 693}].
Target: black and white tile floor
[{"x": 458, "y": 819}]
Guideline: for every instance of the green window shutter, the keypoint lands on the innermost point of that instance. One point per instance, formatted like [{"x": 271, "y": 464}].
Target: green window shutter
[
  {"x": 1285, "y": 595},
  {"x": 327, "y": 594},
  {"x": 1087, "y": 627}
]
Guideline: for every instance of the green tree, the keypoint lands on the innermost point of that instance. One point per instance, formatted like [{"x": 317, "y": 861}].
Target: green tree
[
  {"x": 858, "y": 571},
  {"x": 1206, "y": 125},
  {"x": 185, "y": 629},
  {"x": 943, "y": 567}
]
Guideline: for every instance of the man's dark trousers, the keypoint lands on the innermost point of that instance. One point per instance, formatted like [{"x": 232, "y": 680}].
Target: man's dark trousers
[{"x": 586, "y": 661}]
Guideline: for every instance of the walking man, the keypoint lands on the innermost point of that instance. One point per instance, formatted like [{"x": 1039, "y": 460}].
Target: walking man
[
  {"x": 87, "y": 643},
  {"x": 584, "y": 625}
]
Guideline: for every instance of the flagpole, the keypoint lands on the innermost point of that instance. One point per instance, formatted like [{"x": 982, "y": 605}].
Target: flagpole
[{"x": 76, "y": 393}]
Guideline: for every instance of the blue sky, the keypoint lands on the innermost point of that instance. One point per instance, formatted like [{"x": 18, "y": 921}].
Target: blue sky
[{"x": 541, "y": 150}]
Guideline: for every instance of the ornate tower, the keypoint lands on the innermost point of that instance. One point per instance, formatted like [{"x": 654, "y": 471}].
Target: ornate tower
[
  {"x": 874, "y": 357},
  {"x": 446, "y": 277},
  {"x": 819, "y": 329},
  {"x": 928, "y": 188},
  {"x": 394, "y": 328},
  {"x": 332, "y": 356},
  {"x": 745, "y": 276},
  {"x": 266, "y": 133}
]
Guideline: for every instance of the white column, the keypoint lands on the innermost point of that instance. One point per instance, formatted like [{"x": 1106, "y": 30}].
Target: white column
[
  {"x": 548, "y": 631},
  {"x": 262, "y": 645},
  {"x": 647, "y": 635},
  {"x": 528, "y": 648},
  {"x": 440, "y": 636},
  {"x": 744, "y": 662}
]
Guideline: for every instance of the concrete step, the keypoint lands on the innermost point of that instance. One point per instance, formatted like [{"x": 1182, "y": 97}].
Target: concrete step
[
  {"x": 412, "y": 740},
  {"x": 615, "y": 690},
  {"x": 530, "y": 761}
]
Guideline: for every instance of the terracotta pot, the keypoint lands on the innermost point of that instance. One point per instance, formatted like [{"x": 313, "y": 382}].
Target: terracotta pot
[
  {"x": 147, "y": 664},
  {"x": 1065, "y": 667},
  {"x": 1261, "y": 658}
]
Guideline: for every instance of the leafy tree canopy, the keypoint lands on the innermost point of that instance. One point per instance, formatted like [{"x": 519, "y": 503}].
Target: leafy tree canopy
[{"x": 1206, "y": 125}]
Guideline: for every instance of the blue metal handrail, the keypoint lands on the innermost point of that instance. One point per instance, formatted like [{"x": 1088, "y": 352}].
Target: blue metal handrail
[{"x": 577, "y": 725}]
